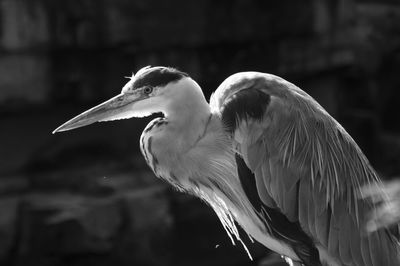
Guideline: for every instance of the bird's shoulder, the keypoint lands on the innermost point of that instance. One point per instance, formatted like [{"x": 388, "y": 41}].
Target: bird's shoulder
[
  {"x": 267, "y": 111},
  {"x": 251, "y": 82}
]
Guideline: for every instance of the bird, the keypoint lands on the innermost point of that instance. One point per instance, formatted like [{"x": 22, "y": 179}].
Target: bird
[{"x": 264, "y": 155}]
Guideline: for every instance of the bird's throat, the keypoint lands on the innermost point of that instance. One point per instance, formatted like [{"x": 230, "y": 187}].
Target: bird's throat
[{"x": 188, "y": 120}]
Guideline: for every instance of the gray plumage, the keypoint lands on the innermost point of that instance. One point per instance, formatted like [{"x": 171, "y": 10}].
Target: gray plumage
[{"x": 263, "y": 154}]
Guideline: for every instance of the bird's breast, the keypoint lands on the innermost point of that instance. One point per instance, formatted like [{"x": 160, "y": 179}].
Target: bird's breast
[
  {"x": 253, "y": 227},
  {"x": 208, "y": 170},
  {"x": 164, "y": 160}
]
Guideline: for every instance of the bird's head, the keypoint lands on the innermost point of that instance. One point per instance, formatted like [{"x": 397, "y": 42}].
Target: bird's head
[{"x": 150, "y": 90}]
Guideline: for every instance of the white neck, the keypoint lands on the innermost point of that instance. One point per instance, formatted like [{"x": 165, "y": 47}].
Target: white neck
[{"x": 187, "y": 111}]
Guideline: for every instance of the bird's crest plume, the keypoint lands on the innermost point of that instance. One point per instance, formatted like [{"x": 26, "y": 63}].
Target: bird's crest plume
[{"x": 138, "y": 73}]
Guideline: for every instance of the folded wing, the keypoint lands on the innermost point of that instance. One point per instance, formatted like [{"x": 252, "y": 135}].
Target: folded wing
[{"x": 307, "y": 170}]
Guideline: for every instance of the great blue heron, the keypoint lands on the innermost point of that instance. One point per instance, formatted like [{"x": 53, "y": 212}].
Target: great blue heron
[{"x": 263, "y": 154}]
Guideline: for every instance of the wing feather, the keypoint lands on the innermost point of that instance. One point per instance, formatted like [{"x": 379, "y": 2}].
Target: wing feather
[
  {"x": 264, "y": 195},
  {"x": 334, "y": 230},
  {"x": 305, "y": 164},
  {"x": 386, "y": 254},
  {"x": 322, "y": 217},
  {"x": 311, "y": 213},
  {"x": 266, "y": 177},
  {"x": 291, "y": 210},
  {"x": 303, "y": 205},
  {"x": 373, "y": 242},
  {"x": 345, "y": 235},
  {"x": 365, "y": 251},
  {"x": 355, "y": 244},
  {"x": 276, "y": 184}
]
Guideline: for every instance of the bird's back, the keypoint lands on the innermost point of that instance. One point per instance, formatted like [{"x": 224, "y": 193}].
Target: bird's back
[{"x": 306, "y": 167}]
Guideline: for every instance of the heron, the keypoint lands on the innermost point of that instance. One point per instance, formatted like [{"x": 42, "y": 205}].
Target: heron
[{"x": 264, "y": 155}]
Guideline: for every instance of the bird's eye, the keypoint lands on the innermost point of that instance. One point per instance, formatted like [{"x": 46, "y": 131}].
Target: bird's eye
[{"x": 148, "y": 90}]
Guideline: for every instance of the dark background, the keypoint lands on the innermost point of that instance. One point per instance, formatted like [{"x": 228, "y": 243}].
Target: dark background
[{"x": 86, "y": 197}]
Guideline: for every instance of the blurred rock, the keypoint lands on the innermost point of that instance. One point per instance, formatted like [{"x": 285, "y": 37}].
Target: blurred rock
[
  {"x": 136, "y": 222},
  {"x": 25, "y": 79},
  {"x": 11, "y": 185},
  {"x": 325, "y": 89},
  {"x": 24, "y": 25},
  {"x": 363, "y": 126},
  {"x": 311, "y": 56},
  {"x": 149, "y": 227},
  {"x": 101, "y": 178},
  {"x": 131, "y": 22},
  {"x": 389, "y": 159},
  {"x": 124, "y": 182},
  {"x": 42, "y": 152},
  {"x": 8, "y": 225},
  {"x": 78, "y": 224},
  {"x": 145, "y": 213}
]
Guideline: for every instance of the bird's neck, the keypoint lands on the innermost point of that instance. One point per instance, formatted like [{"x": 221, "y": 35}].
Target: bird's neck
[{"x": 188, "y": 116}]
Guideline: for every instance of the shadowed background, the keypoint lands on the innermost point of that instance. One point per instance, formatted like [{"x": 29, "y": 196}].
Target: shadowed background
[{"x": 86, "y": 197}]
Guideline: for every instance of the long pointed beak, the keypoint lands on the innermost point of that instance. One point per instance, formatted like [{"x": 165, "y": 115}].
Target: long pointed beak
[{"x": 112, "y": 109}]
